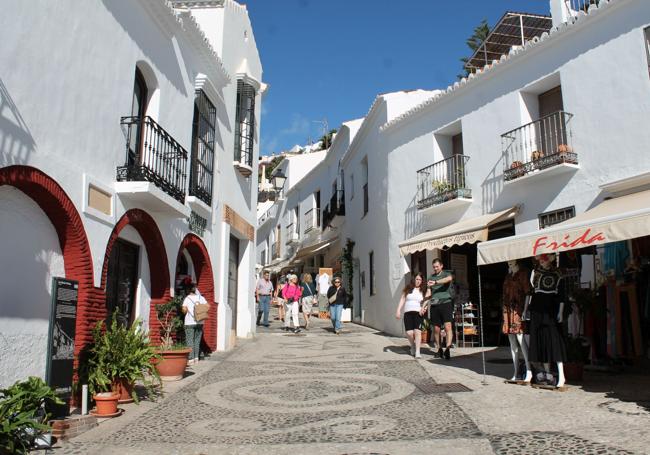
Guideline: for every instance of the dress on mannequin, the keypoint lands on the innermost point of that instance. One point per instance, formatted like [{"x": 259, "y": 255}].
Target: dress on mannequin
[
  {"x": 546, "y": 341},
  {"x": 516, "y": 287}
]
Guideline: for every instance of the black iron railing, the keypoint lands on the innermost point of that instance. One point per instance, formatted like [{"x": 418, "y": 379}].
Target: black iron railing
[
  {"x": 442, "y": 182},
  {"x": 153, "y": 155},
  {"x": 203, "y": 138},
  {"x": 245, "y": 123},
  {"x": 328, "y": 216},
  {"x": 538, "y": 145}
]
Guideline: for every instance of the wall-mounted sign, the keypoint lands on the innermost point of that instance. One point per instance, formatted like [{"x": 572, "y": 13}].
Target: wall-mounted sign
[{"x": 60, "y": 349}]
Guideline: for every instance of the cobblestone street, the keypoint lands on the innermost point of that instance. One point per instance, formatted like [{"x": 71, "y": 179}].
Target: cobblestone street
[{"x": 361, "y": 392}]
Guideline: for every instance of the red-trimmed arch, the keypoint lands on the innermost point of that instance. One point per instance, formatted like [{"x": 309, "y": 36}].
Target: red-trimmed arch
[
  {"x": 145, "y": 225},
  {"x": 205, "y": 283},
  {"x": 77, "y": 257}
]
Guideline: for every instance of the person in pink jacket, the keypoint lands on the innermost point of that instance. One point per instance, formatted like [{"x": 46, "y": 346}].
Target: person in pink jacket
[{"x": 291, "y": 294}]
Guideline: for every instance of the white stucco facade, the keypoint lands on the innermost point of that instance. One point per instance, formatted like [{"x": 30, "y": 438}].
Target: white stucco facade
[{"x": 69, "y": 80}]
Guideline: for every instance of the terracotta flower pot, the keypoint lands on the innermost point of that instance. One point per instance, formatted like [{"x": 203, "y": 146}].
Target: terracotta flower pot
[
  {"x": 424, "y": 336},
  {"x": 125, "y": 389},
  {"x": 173, "y": 363},
  {"x": 106, "y": 403}
]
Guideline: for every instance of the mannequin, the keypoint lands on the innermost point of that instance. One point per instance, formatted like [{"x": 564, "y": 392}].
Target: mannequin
[
  {"x": 516, "y": 291},
  {"x": 546, "y": 307}
]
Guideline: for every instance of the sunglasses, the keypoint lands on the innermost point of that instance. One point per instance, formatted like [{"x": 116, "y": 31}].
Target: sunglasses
[{"x": 337, "y": 282}]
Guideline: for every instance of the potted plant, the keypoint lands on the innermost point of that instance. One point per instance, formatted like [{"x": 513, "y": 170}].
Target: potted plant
[
  {"x": 424, "y": 330},
  {"x": 24, "y": 415},
  {"x": 518, "y": 168},
  {"x": 117, "y": 358},
  {"x": 536, "y": 155},
  {"x": 441, "y": 186},
  {"x": 173, "y": 355}
]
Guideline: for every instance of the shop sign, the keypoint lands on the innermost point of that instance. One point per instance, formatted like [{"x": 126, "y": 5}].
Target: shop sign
[
  {"x": 60, "y": 349},
  {"x": 545, "y": 244}
]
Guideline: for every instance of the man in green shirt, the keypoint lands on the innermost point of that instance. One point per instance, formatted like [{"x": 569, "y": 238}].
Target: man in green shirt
[{"x": 441, "y": 307}]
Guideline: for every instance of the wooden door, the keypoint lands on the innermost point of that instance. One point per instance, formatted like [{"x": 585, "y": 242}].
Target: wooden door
[
  {"x": 233, "y": 271},
  {"x": 122, "y": 280}
]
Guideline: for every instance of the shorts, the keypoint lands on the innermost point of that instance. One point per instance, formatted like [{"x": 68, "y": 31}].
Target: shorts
[
  {"x": 306, "y": 304},
  {"x": 412, "y": 320},
  {"x": 441, "y": 313}
]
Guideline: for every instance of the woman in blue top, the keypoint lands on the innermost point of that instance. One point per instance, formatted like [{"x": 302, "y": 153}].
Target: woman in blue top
[{"x": 308, "y": 297}]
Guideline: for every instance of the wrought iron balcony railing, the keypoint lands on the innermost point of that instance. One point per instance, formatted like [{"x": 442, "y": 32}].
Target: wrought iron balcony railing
[
  {"x": 442, "y": 182},
  {"x": 538, "y": 145},
  {"x": 153, "y": 155},
  {"x": 309, "y": 219},
  {"x": 328, "y": 216}
]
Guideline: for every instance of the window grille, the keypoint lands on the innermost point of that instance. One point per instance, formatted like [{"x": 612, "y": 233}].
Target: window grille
[
  {"x": 556, "y": 216},
  {"x": 203, "y": 135},
  {"x": 245, "y": 123},
  {"x": 197, "y": 223}
]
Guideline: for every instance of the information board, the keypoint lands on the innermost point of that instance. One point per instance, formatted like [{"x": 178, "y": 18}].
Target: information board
[{"x": 60, "y": 350}]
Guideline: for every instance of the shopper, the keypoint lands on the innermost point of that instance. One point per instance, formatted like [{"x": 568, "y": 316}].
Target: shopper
[
  {"x": 277, "y": 297},
  {"x": 308, "y": 297},
  {"x": 441, "y": 309},
  {"x": 291, "y": 293},
  {"x": 337, "y": 298},
  {"x": 413, "y": 296},
  {"x": 193, "y": 329},
  {"x": 263, "y": 291}
]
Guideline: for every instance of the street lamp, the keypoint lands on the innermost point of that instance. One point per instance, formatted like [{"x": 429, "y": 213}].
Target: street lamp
[{"x": 278, "y": 180}]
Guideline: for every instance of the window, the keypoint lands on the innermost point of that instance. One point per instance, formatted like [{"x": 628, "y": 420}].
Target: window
[
  {"x": 556, "y": 216},
  {"x": 646, "y": 34},
  {"x": 296, "y": 217},
  {"x": 245, "y": 123},
  {"x": 351, "y": 186},
  {"x": 364, "y": 176},
  {"x": 203, "y": 134},
  {"x": 317, "y": 196},
  {"x": 371, "y": 258},
  {"x": 138, "y": 109}
]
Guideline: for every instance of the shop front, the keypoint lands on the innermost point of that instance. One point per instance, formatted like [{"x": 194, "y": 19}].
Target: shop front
[{"x": 603, "y": 256}]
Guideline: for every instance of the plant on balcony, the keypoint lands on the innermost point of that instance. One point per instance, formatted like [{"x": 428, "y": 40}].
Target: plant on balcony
[
  {"x": 536, "y": 155},
  {"x": 441, "y": 186},
  {"x": 24, "y": 415},
  {"x": 518, "y": 169}
]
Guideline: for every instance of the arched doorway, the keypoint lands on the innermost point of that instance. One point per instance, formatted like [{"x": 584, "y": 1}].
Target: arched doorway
[
  {"x": 73, "y": 246},
  {"x": 148, "y": 232},
  {"x": 199, "y": 268}
]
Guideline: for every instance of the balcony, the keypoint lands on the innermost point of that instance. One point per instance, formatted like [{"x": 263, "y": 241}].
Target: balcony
[
  {"x": 542, "y": 147},
  {"x": 270, "y": 214},
  {"x": 337, "y": 203},
  {"x": 444, "y": 184},
  {"x": 154, "y": 172}
]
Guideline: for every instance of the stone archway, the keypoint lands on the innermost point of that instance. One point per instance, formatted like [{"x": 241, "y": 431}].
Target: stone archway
[
  {"x": 205, "y": 282},
  {"x": 65, "y": 219},
  {"x": 146, "y": 227}
]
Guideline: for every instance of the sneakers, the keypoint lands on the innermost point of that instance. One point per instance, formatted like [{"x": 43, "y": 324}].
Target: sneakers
[
  {"x": 447, "y": 354},
  {"x": 297, "y": 330},
  {"x": 417, "y": 355}
]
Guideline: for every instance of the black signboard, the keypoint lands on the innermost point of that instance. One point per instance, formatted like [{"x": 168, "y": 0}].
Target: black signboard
[{"x": 60, "y": 349}]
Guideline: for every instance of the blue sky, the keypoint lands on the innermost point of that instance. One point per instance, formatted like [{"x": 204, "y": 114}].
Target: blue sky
[{"x": 328, "y": 59}]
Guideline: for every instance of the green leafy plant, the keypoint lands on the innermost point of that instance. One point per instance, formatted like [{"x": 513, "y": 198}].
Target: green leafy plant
[
  {"x": 348, "y": 268},
  {"x": 119, "y": 353},
  {"x": 172, "y": 326},
  {"x": 425, "y": 324},
  {"x": 24, "y": 415},
  {"x": 441, "y": 186}
]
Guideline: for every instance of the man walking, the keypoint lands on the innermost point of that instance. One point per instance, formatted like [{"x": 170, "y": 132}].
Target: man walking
[
  {"x": 263, "y": 291},
  {"x": 441, "y": 309}
]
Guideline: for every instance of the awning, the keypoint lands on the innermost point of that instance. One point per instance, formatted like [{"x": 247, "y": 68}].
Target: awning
[
  {"x": 471, "y": 230},
  {"x": 312, "y": 249},
  {"x": 621, "y": 218}
]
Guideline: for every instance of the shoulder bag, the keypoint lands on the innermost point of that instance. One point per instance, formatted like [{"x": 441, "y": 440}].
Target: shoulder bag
[
  {"x": 332, "y": 299},
  {"x": 201, "y": 311}
]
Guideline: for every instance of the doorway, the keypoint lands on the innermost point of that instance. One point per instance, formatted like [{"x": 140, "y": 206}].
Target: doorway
[
  {"x": 233, "y": 272},
  {"x": 122, "y": 281}
]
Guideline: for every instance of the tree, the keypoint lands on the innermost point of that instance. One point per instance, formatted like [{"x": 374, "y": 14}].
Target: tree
[
  {"x": 326, "y": 139},
  {"x": 481, "y": 32}
]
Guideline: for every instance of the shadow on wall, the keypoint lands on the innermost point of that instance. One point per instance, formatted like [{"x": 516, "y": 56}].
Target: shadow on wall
[
  {"x": 158, "y": 49},
  {"x": 492, "y": 186},
  {"x": 413, "y": 219},
  {"x": 16, "y": 141}
]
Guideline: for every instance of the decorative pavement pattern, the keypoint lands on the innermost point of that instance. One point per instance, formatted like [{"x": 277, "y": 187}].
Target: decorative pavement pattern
[{"x": 342, "y": 395}]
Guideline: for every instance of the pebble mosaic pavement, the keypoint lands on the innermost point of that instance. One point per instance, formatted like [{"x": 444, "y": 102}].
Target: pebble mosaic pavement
[{"x": 344, "y": 394}]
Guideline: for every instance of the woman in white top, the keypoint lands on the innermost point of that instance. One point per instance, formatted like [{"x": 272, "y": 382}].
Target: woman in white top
[
  {"x": 412, "y": 297},
  {"x": 193, "y": 329}
]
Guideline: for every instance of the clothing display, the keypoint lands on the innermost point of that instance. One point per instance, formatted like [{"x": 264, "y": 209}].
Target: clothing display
[
  {"x": 547, "y": 343},
  {"x": 516, "y": 287}
]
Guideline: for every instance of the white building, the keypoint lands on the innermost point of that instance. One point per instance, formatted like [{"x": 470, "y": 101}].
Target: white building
[
  {"x": 546, "y": 130},
  {"x": 128, "y": 135}
]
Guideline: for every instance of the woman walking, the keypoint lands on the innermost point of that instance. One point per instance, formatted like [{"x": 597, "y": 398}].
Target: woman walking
[
  {"x": 193, "y": 329},
  {"x": 413, "y": 295},
  {"x": 291, "y": 293},
  {"x": 308, "y": 297},
  {"x": 277, "y": 297},
  {"x": 338, "y": 298}
]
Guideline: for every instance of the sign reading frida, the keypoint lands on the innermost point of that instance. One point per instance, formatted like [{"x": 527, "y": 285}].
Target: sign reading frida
[{"x": 543, "y": 245}]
